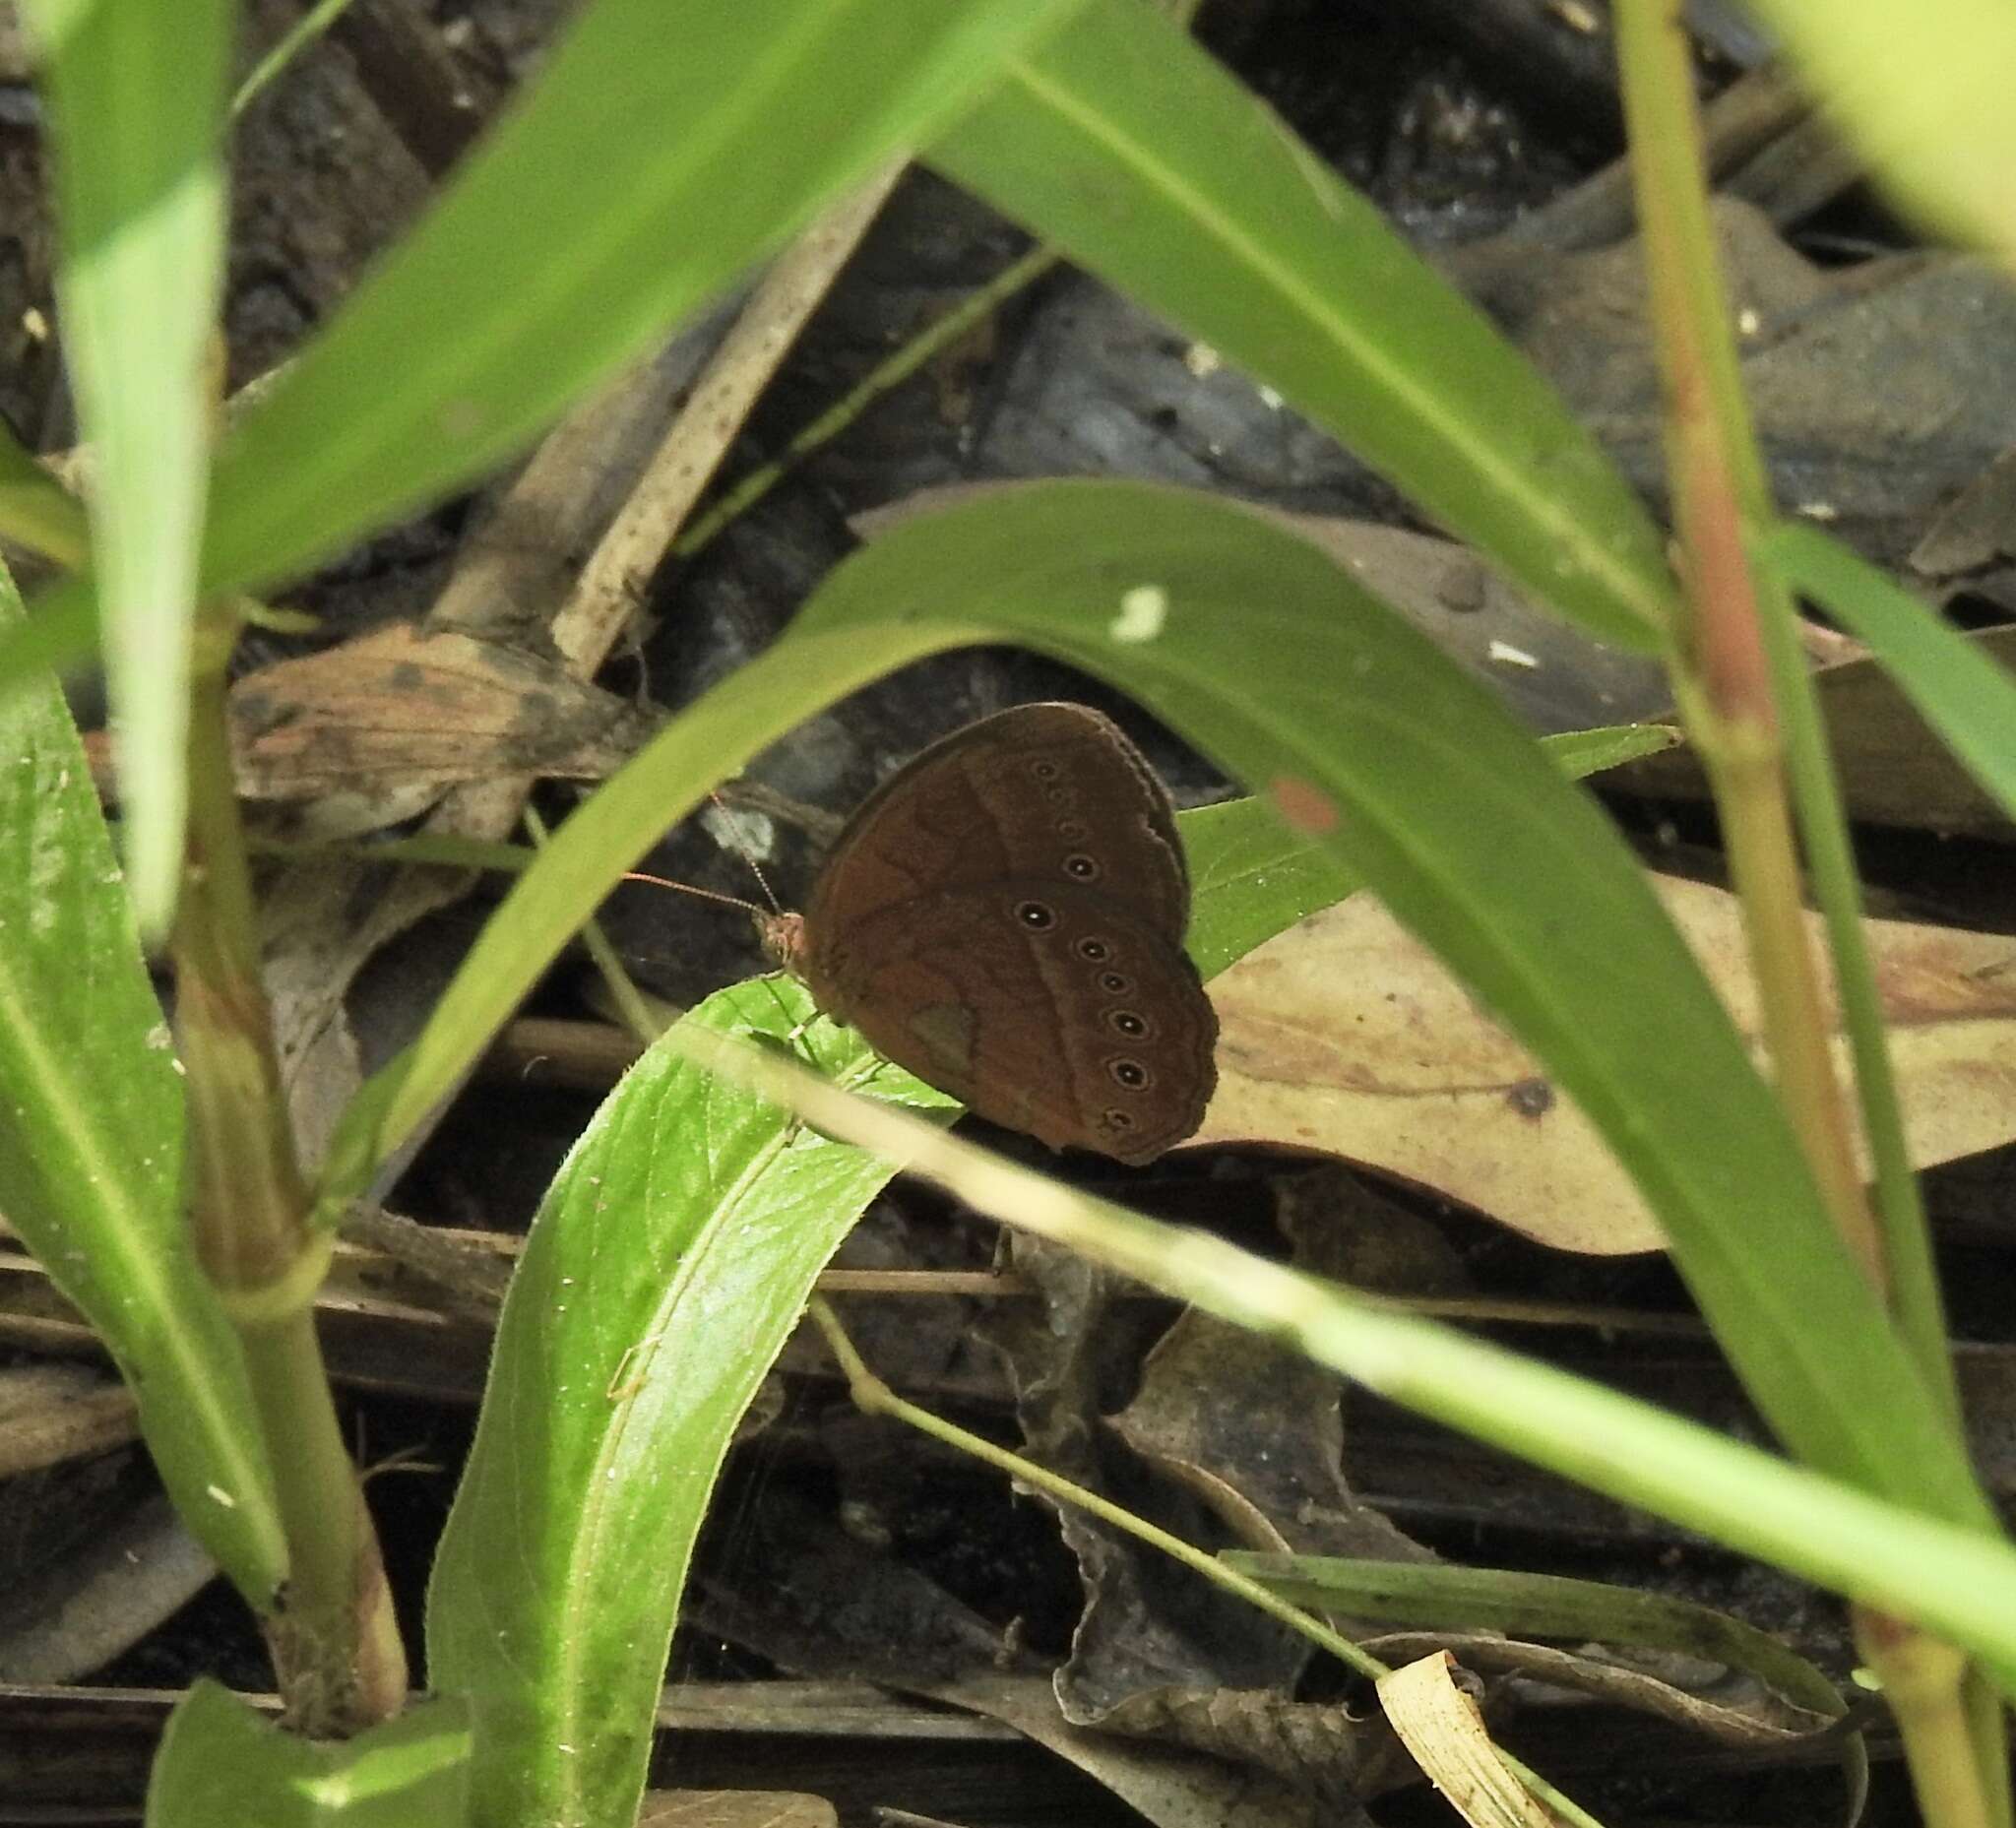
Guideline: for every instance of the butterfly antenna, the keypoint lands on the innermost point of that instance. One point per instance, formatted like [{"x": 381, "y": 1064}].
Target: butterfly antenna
[
  {"x": 734, "y": 826},
  {"x": 687, "y": 888}
]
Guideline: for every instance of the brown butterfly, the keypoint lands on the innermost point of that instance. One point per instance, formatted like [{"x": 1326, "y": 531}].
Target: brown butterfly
[{"x": 1004, "y": 916}]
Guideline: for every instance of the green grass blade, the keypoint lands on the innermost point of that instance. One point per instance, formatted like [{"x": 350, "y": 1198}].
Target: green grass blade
[
  {"x": 1125, "y": 144},
  {"x": 36, "y": 510},
  {"x": 1444, "y": 1597},
  {"x": 1957, "y": 1579},
  {"x": 60, "y": 634},
  {"x": 672, "y": 1257},
  {"x": 1252, "y": 877},
  {"x": 90, "y": 1136},
  {"x": 662, "y": 152},
  {"x": 135, "y": 92},
  {"x": 1962, "y": 692},
  {"x": 1928, "y": 106}
]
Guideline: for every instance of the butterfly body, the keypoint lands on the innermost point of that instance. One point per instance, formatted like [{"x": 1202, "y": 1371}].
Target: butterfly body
[{"x": 1005, "y": 916}]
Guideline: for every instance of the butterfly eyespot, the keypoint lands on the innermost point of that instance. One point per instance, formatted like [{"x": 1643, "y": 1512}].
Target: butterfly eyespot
[
  {"x": 1130, "y": 1023},
  {"x": 1130, "y": 1075},
  {"x": 1114, "y": 1119},
  {"x": 1071, "y": 831},
  {"x": 1094, "y": 952},
  {"x": 1038, "y": 916},
  {"x": 1082, "y": 867},
  {"x": 1044, "y": 771},
  {"x": 1115, "y": 983}
]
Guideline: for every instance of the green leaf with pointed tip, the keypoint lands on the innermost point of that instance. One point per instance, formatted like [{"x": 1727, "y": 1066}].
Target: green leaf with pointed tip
[
  {"x": 136, "y": 93},
  {"x": 1964, "y": 693},
  {"x": 90, "y": 1136},
  {"x": 220, "y": 1761},
  {"x": 670, "y": 1258},
  {"x": 1445, "y": 1596},
  {"x": 1121, "y": 141},
  {"x": 703, "y": 136}
]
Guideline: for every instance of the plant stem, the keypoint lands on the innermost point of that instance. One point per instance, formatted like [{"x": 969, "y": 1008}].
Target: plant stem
[
  {"x": 1738, "y": 670},
  {"x": 1922, "y": 1681},
  {"x": 336, "y": 1646},
  {"x": 1721, "y": 659}
]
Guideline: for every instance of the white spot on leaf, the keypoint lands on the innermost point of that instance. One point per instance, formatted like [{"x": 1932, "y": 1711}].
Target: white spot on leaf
[{"x": 1143, "y": 611}]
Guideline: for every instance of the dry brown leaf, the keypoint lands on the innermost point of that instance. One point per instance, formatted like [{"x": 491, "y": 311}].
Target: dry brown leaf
[
  {"x": 734, "y": 1808},
  {"x": 1440, "y": 1725},
  {"x": 1346, "y": 1035},
  {"x": 1170, "y": 1786},
  {"x": 1744, "y": 1714},
  {"x": 377, "y": 729},
  {"x": 1255, "y": 1431},
  {"x": 1892, "y": 770}
]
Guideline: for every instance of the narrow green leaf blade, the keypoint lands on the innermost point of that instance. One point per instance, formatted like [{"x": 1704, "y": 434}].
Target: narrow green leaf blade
[
  {"x": 1928, "y": 106},
  {"x": 1963, "y": 693},
  {"x": 1958, "y": 1580},
  {"x": 1121, "y": 141},
  {"x": 136, "y": 93},
  {"x": 1271, "y": 660},
  {"x": 36, "y": 510},
  {"x": 660, "y": 155},
  {"x": 1446, "y": 1597},
  {"x": 1251, "y": 876},
  {"x": 672, "y": 1257},
  {"x": 91, "y": 1135},
  {"x": 220, "y": 1761},
  {"x": 61, "y": 633}
]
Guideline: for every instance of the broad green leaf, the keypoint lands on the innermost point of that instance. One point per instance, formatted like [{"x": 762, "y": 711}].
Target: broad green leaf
[
  {"x": 1121, "y": 141},
  {"x": 1923, "y": 95},
  {"x": 1962, "y": 692},
  {"x": 1253, "y": 877},
  {"x": 221, "y": 1761},
  {"x": 670, "y": 1260},
  {"x": 1270, "y": 657},
  {"x": 136, "y": 94},
  {"x": 660, "y": 155},
  {"x": 90, "y": 1136}
]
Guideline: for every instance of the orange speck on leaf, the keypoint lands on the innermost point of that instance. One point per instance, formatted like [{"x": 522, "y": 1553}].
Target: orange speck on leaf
[{"x": 1305, "y": 806}]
